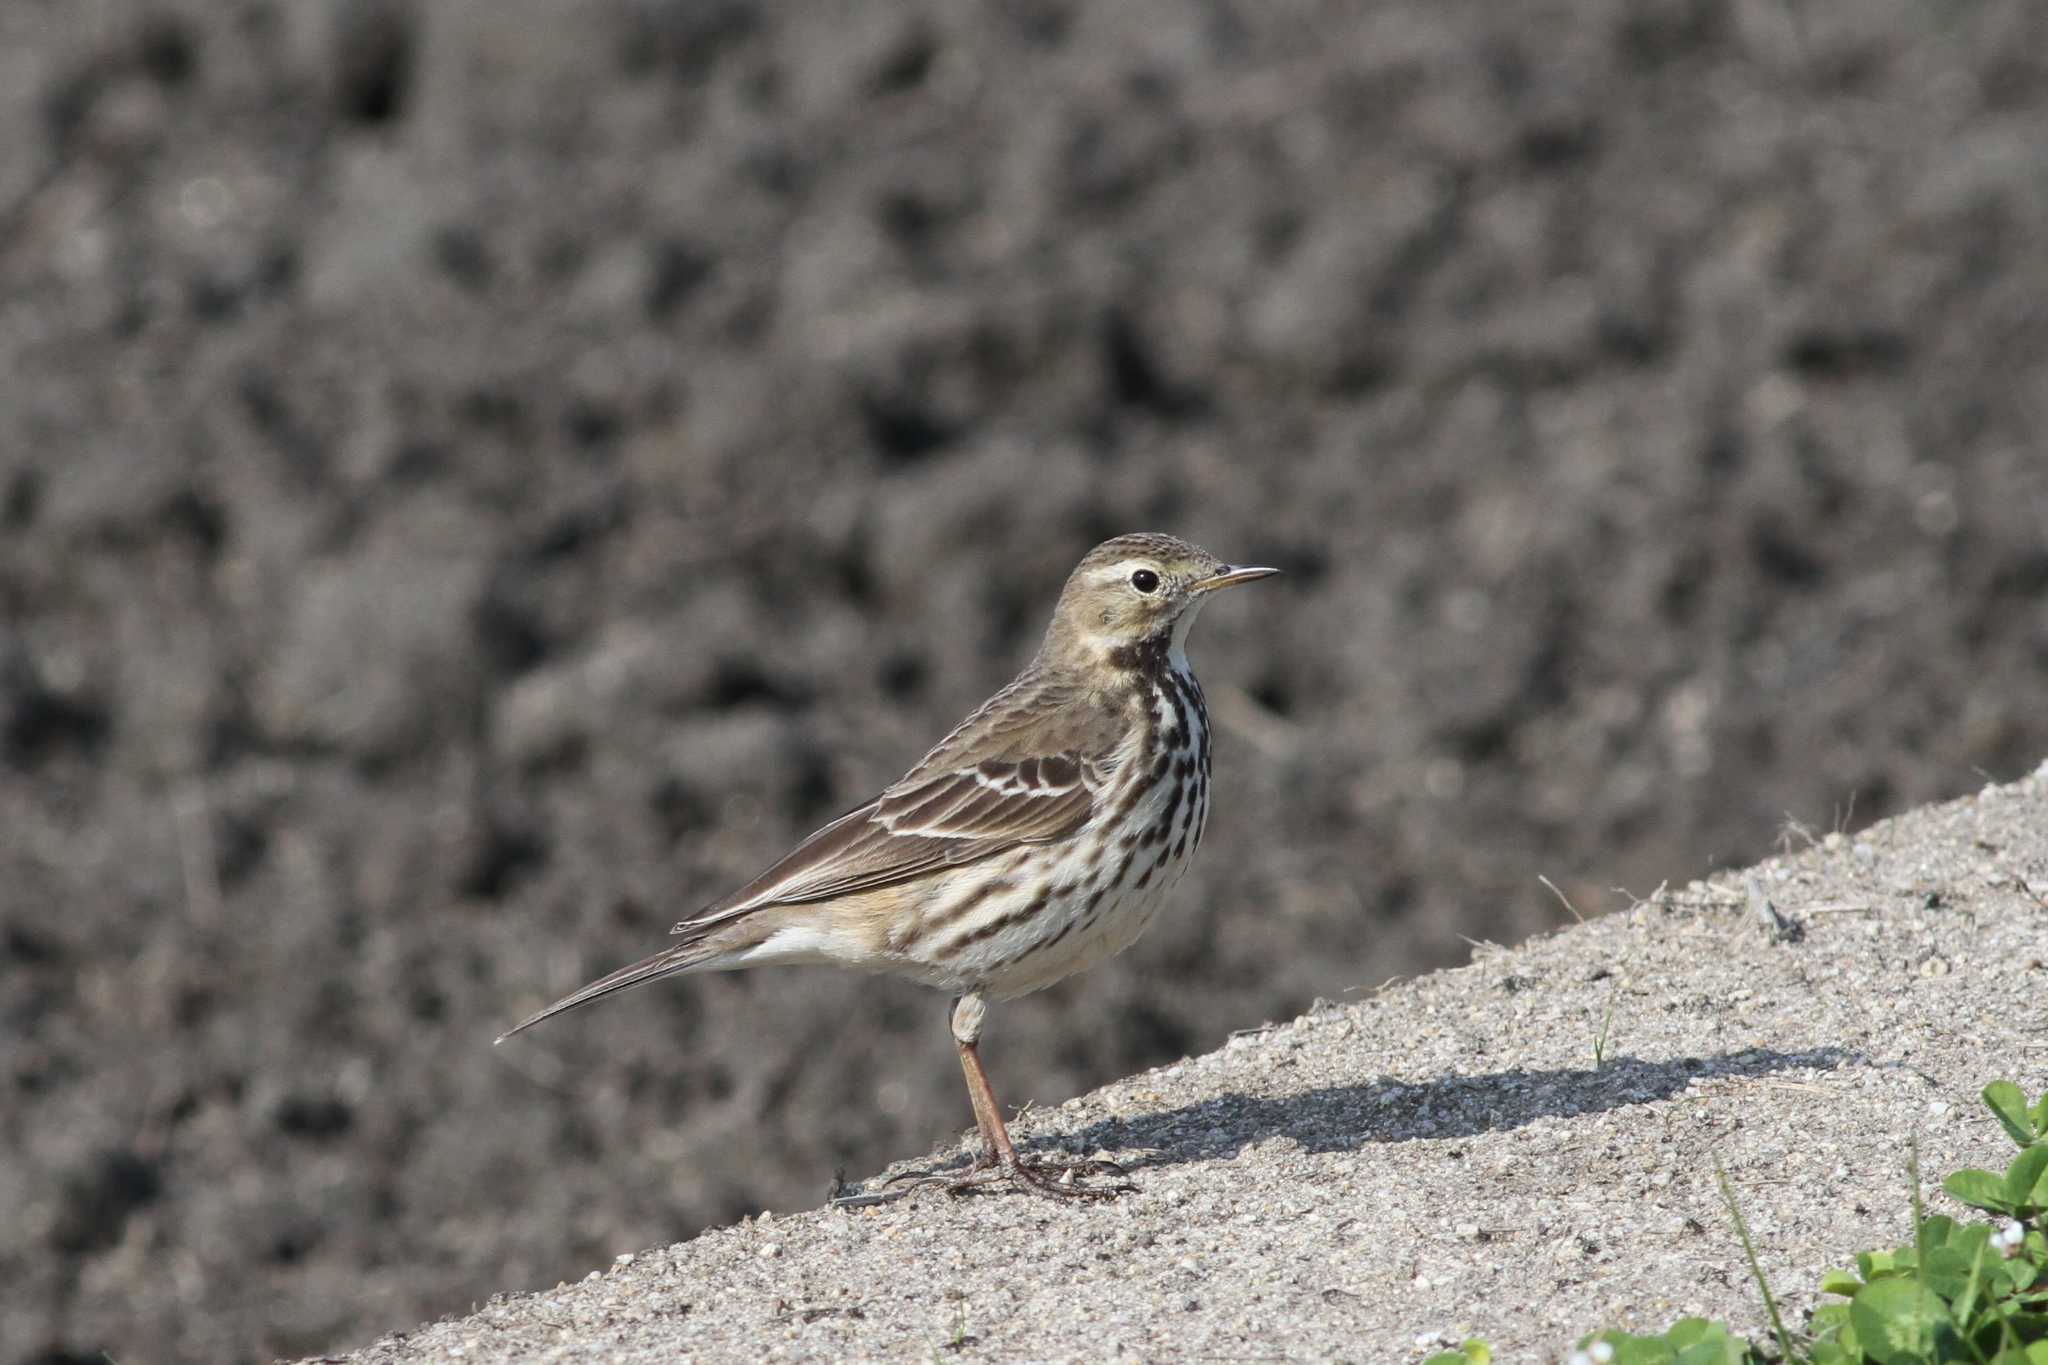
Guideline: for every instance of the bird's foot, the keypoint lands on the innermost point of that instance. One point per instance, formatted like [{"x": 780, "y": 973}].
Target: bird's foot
[
  {"x": 1049, "y": 1179},
  {"x": 986, "y": 1175},
  {"x": 920, "y": 1177},
  {"x": 909, "y": 1182}
]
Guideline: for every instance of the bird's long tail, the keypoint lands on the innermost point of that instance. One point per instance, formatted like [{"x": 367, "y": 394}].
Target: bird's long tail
[{"x": 668, "y": 962}]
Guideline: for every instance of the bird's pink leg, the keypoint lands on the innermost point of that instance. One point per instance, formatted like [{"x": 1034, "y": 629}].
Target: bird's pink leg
[
  {"x": 996, "y": 1147},
  {"x": 999, "y": 1160},
  {"x": 998, "y": 1167}
]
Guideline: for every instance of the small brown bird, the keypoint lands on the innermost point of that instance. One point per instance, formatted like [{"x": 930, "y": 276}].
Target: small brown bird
[{"x": 1037, "y": 839}]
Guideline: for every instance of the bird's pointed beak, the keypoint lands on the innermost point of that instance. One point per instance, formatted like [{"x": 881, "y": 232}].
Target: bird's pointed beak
[{"x": 1230, "y": 577}]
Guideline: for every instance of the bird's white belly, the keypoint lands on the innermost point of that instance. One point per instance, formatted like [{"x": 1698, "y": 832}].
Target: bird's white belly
[{"x": 1009, "y": 945}]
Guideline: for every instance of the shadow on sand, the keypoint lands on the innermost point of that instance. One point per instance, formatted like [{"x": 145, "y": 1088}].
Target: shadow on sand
[{"x": 1344, "y": 1118}]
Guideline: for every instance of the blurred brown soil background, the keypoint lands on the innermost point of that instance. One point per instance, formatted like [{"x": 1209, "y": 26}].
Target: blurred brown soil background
[{"x": 476, "y": 480}]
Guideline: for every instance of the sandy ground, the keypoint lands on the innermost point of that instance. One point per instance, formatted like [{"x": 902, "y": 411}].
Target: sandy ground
[{"x": 1442, "y": 1158}]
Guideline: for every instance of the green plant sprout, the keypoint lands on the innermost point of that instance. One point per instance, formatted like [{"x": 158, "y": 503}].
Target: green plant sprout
[
  {"x": 1606, "y": 1026},
  {"x": 1961, "y": 1294}
]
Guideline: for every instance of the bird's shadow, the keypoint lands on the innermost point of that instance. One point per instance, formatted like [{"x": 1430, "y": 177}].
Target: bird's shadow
[{"x": 1345, "y": 1118}]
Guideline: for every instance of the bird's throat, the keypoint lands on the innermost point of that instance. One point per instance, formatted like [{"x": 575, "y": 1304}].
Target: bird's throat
[
  {"x": 1163, "y": 651},
  {"x": 1145, "y": 659}
]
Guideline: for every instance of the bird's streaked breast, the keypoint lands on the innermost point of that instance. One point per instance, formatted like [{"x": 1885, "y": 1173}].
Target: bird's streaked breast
[{"x": 1021, "y": 922}]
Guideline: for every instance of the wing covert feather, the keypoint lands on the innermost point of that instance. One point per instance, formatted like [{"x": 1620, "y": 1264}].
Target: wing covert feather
[{"x": 1021, "y": 770}]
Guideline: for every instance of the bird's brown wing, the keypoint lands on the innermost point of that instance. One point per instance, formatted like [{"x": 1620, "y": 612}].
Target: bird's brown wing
[{"x": 1028, "y": 767}]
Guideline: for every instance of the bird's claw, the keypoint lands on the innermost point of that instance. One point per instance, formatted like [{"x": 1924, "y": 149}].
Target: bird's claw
[
  {"x": 1050, "y": 1179},
  {"x": 920, "y": 1176},
  {"x": 1047, "y": 1179}
]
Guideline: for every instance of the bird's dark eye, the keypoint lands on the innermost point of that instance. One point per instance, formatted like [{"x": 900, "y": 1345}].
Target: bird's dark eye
[{"x": 1144, "y": 580}]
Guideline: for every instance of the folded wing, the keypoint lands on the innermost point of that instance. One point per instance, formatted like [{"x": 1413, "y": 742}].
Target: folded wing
[
  {"x": 1027, "y": 767},
  {"x": 928, "y": 821}
]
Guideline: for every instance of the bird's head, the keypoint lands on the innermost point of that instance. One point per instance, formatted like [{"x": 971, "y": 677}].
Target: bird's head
[{"x": 1133, "y": 598}]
